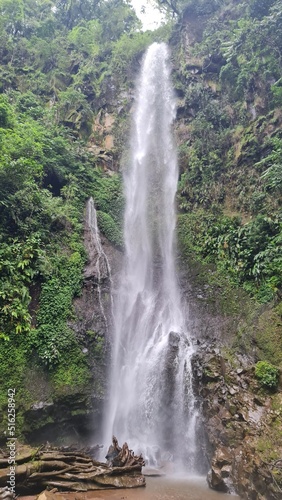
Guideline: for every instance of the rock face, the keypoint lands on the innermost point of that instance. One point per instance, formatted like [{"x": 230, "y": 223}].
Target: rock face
[
  {"x": 74, "y": 413},
  {"x": 65, "y": 417},
  {"x": 240, "y": 419},
  {"x": 93, "y": 313},
  {"x": 237, "y": 416},
  {"x": 236, "y": 413}
]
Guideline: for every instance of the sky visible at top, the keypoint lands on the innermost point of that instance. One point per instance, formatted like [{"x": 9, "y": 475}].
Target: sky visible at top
[{"x": 149, "y": 15}]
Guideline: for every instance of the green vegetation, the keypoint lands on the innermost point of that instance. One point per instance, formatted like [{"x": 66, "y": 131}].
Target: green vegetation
[
  {"x": 72, "y": 374},
  {"x": 109, "y": 228},
  {"x": 62, "y": 63},
  {"x": 229, "y": 81},
  {"x": 268, "y": 444},
  {"x": 64, "y": 67},
  {"x": 268, "y": 335},
  {"x": 249, "y": 254},
  {"x": 52, "y": 337},
  {"x": 267, "y": 374},
  {"x": 178, "y": 7},
  {"x": 231, "y": 162}
]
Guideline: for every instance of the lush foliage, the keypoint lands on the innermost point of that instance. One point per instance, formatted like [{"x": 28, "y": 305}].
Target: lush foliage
[
  {"x": 60, "y": 64},
  {"x": 228, "y": 77},
  {"x": 267, "y": 374},
  {"x": 188, "y": 7},
  {"x": 52, "y": 336},
  {"x": 249, "y": 254},
  {"x": 58, "y": 61},
  {"x": 231, "y": 157}
]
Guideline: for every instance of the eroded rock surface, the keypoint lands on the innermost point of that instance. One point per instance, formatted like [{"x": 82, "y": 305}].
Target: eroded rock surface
[{"x": 240, "y": 423}]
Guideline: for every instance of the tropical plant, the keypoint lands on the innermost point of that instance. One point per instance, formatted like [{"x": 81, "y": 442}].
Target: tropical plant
[{"x": 267, "y": 374}]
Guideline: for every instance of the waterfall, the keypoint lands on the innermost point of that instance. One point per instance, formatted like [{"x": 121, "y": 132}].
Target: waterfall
[
  {"x": 97, "y": 255},
  {"x": 151, "y": 402}
]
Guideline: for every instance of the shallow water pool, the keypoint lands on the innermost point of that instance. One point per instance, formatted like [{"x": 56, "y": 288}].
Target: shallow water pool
[{"x": 193, "y": 488}]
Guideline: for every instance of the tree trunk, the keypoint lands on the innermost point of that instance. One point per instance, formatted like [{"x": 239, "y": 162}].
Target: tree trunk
[{"x": 71, "y": 470}]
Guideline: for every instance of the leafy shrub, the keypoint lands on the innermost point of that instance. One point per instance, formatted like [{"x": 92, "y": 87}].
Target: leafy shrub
[
  {"x": 108, "y": 196},
  {"x": 30, "y": 104},
  {"x": 128, "y": 49},
  {"x": 276, "y": 90},
  {"x": 201, "y": 7},
  {"x": 72, "y": 371},
  {"x": 109, "y": 228},
  {"x": 85, "y": 37},
  {"x": 53, "y": 335},
  {"x": 267, "y": 374},
  {"x": 251, "y": 252},
  {"x": 260, "y": 8},
  {"x": 18, "y": 267},
  {"x": 4, "y": 113},
  {"x": 272, "y": 176}
]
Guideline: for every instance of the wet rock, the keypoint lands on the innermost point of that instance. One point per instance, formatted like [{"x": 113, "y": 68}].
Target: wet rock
[
  {"x": 151, "y": 472},
  {"x": 225, "y": 415},
  {"x": 244, "y": 385},
  {"x": 67, "y": 416},
  {"x": 216, "y": 481},
  {"x": 243, "y": 415},
  {"x": 233, "y": 390},
  {"x": 40, "y": 405},
  {"x": 222, "y": 457},
  {"x": 173, "y": 339},
  {"x": 258, "y": 401},
  {"x": 234, "y": 419},
  {"x": 225, "y": 471}
]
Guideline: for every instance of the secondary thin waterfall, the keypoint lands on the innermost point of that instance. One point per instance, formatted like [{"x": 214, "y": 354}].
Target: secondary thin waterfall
[
  {"x": 97, "y": 254},
  {"x": 151, "y": 402}
]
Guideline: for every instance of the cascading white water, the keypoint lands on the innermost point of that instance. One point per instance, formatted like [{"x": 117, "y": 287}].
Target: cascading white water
[
  {"x": 97, "y": 254},
  {"x": 151, "y": 402}
]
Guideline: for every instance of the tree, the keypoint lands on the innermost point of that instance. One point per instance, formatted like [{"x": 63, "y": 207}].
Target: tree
[
  {"x": 198, "y": 7},
  {"x": 72, "y": 12},
  {"x": 170, "y": 5}
]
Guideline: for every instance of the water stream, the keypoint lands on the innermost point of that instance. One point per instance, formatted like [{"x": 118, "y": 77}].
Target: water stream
[
  {"x": 151, "y": 402},
  {"x": 102, "y": 265}
]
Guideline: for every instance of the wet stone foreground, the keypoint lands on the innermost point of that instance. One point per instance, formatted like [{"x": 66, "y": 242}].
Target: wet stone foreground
[{"x": 241, "y": 421}]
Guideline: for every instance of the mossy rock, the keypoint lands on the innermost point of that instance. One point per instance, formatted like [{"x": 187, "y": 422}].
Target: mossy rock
[{"x": 269, "y": 335}]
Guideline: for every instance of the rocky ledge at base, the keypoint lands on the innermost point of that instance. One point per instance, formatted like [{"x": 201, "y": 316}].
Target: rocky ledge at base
[
  {"x": 68, "y": 469},
  {"x": 243, "y": 425}
]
